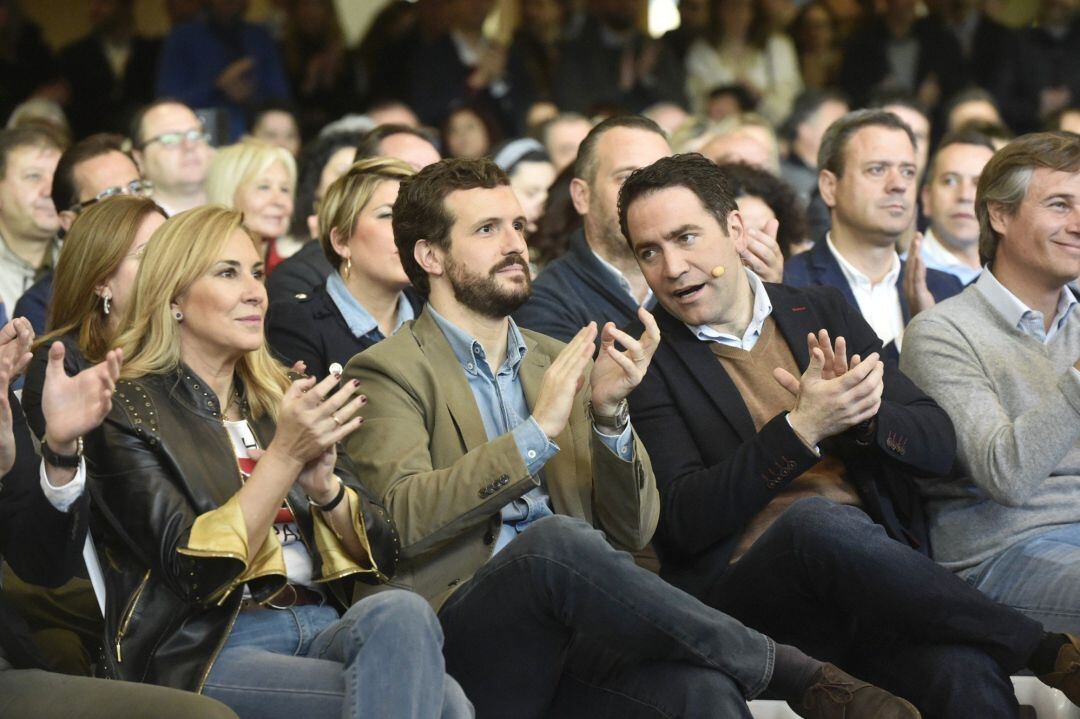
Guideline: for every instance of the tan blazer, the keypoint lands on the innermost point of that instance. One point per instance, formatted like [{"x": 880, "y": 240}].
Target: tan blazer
[{"x": 423, "y": 450}]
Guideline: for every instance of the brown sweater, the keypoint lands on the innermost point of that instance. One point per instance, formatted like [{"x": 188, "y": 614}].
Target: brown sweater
[{"x": 752, "y": 373}]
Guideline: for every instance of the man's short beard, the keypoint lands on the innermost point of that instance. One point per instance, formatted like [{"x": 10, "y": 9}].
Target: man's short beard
[{"x": 482, "y": 293}]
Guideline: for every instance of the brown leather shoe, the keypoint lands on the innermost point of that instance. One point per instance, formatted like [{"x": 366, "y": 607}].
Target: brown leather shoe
[
  {"x": 838, "y": 695},
  {"x": 1066, "y": 674}
]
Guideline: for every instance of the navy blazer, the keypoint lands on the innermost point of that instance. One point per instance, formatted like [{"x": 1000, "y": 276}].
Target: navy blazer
[
  {"x": 715, "y": 471},
  {"x": 310, "y": 327},
  {"x": 574, "y": 290},
  {"x": 818, "y": 268}
]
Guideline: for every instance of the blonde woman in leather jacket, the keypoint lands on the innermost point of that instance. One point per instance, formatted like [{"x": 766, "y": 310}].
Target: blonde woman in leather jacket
[{"x": 233, "y": 533}]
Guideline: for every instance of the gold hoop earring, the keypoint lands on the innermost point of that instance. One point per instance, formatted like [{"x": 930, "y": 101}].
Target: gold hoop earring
[{"x": 347, "y": 268}]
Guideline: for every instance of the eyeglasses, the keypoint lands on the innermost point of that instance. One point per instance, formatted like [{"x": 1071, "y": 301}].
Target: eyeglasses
[
  {"x": 174, "y": 139},
  {"x": 136, "y": 188}
]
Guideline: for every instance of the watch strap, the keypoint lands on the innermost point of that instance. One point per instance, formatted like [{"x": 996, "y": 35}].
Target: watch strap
[{"x": 65, "y": 461}]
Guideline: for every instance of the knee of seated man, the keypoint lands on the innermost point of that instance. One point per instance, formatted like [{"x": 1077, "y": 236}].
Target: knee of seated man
[
  {"x": 815, "y": 518},
  {"x": 558, "y": 536}
]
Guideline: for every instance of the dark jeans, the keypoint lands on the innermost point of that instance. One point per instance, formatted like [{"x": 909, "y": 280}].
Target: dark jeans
[
  {"x": 827, "y": 579},
  {"x": 559, "y": 623}
]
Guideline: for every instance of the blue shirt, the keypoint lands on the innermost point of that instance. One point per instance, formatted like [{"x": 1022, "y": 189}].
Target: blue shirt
[
  {"x": 500, "y": 399},
  {"x": 1017, "y": 314},
  {"x": 359, "y": 320}
]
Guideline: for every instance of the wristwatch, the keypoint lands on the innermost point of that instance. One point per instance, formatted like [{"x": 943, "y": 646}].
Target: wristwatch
[
  {"x": 615, "y": 421},
  {"x": 66, "y": 461}
]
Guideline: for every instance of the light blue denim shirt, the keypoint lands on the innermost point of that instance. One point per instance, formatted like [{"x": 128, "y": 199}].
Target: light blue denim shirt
[
  {"x": 500, "y": 398},
  {"x": 359, "y": 320}
]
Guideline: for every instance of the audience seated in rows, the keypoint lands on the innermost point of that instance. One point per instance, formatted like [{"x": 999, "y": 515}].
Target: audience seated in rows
[{"x": 501, "y": 529}]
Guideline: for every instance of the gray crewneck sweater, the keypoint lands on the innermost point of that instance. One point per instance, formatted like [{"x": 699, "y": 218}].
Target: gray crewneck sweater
[{"x": 1015, "y": 403}]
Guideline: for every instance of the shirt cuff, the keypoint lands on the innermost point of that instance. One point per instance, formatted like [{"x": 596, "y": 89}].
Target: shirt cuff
[
  {"x": 535, "y": 447},
  {"x": 63, "y": 497},
  {"x": 813, "y": 448},
  {"x": 621, "y": 445}
]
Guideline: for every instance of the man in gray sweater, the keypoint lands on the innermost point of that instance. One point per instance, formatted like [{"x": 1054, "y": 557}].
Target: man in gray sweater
[{"x": 1002, "y": 359}]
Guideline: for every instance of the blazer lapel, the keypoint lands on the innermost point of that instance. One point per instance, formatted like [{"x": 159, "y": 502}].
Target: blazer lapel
[
  {"x": 905, "y": 310},
  {"x": 450, "y": 378},
  {"x": 825, "y": 270},
  {"x": 705, "y": 368},
  {"x": 795, "y": 319}
]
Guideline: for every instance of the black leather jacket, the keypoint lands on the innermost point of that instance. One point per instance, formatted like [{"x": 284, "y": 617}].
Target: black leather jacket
[{"x": 160, "y": 460}]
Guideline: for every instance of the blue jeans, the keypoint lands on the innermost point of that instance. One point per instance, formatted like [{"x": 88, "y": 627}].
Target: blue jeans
[
  {"x": 1039, "y": 577},
  {"x": 559, "y": 623},
  {"x": 382, "y": 659}
]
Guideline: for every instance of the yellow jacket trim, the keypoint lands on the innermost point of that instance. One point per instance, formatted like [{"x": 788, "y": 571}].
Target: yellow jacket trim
[{"x": 336, "y": 562}]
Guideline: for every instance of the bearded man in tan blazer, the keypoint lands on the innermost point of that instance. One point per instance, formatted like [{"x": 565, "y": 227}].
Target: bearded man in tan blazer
[{"x": 510, "y": 466}]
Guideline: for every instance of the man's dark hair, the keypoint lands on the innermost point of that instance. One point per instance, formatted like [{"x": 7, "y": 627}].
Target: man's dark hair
[
  {"x": 369, "y": 143},
  {"x": 136, "y": 129},
  {"x": 420, "y": 212},
  {"x": 585, "y": 164},
  {"x": 835, "y": 140},
  {"x": 695, "y": 172},
  {"x": 27, "y": 136},
  {"x": 969, "y": 94},
  {"x": 749, "y": 181},
  {"x": 313, "y": 159},
  {"x": 804, "y": 107},
  {"x": 964, "y": 136},
  {"x": 64, "y": 192}
]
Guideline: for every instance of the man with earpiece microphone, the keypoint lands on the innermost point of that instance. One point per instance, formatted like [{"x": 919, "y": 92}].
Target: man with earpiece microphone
[{"x": 785, "y": 453}]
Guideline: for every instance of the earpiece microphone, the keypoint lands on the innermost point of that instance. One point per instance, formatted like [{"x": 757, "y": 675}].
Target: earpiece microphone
[{"x": 718, "y": 271}]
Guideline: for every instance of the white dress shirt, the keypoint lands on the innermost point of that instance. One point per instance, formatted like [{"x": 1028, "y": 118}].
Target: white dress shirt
[{"x": 879, "y": 303}]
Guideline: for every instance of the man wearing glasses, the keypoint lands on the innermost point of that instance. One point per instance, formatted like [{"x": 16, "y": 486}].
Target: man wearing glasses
[
  {"x": 172, "y": 150},
  {"x": 89, "y": 171}
]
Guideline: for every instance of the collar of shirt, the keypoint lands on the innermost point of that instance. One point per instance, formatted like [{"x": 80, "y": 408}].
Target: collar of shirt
[
  {"x": 470, "y": 353},
  {"x": 358, "y": 319},
  {"x": 762, "y": 309},
  {"x": 938, "y": 257},
  {"x": 856, "y": 278},
  {"x": 1019, "y": 315},
  {"x": 621, "y": 279}
]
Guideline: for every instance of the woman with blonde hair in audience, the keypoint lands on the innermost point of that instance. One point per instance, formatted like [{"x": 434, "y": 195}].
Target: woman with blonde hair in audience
[
  {"x": 236, "y": 535},
  {"x": 91, "y": 289},
  {"x": 740, "y": 49},
  {"x": 258, "y": 179},
  {"x": 367, "y": 295}
]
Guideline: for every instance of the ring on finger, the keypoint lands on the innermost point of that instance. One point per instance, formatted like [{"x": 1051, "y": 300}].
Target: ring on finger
[{"x": 336, "y": 420}]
